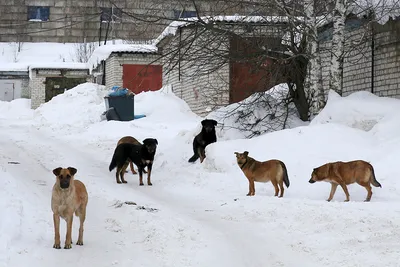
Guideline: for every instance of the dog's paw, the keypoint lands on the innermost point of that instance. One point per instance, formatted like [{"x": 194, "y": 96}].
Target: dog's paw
[
  {"x": 141, "y": 184},
  {"x": 149, "y": 184},
  {"x": 67, "y": 246},
  {"x": 119, "y": 182},
  {"x": 56, "y": 246},
  {"x": 79, "y": 243},
  {"x": 125, "y": 182}
]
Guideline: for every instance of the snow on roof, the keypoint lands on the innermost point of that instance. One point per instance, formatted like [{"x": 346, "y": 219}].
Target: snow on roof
[
  {"x": 59, "y": 65},
  {"x": 383, "y": 9},
  {"x": 103, "y": 52},
  {"x": 13, "y": 67},
  {"x": 175, "y": 25}
]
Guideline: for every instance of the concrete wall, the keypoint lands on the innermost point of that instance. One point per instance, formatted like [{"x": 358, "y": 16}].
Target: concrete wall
[
  {"x": 363, "y": 71},
  {"x": 74, "y": 20}
]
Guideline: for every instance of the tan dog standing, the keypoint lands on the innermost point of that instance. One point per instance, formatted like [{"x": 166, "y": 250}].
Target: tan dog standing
[
  {"x": 68, "y": 196},
  {"x": 129, "y": 140},
  {"x": 256, "y": 171},
  {"x": 345, "y": 173}
]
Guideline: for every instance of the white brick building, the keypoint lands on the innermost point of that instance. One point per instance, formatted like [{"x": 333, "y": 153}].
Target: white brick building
[
  {"x": 136, "y": 67},
  {"x": 48, "y": 80},
  {"x": 198, "y": 65}
]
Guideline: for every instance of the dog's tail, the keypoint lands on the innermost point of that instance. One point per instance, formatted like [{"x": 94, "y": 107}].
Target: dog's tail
[
  {"x": 113, "y": 163},
  {"x": 372, "y": 179},
  {"x": 193, "y": 158},
  {"x": 285, "y": 174}
]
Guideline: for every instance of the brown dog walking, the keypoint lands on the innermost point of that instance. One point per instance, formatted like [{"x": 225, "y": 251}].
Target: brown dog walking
[
  {"x": 256, "y": 171},
  {"x": 345, "y": 173},
  {"x": 68, "y": 196}
]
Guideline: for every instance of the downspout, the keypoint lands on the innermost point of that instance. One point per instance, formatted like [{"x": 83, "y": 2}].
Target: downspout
[{"x": 372, "y": 57}]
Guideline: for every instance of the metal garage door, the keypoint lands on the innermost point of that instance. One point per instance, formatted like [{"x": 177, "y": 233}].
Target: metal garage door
[
  {"x": 138, "y": 78},
  {"x": 7, "y": 91}
]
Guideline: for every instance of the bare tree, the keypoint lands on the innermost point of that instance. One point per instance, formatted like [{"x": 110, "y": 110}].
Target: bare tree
[{"x": 84, "y": 50}]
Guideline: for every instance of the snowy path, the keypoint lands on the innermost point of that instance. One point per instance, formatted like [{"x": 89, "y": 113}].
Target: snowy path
[
  {"x": 207, "y": 225},
  {"x": 176, "y": 235}
]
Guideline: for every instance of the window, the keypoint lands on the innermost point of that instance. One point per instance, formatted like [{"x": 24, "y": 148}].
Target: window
[
  {"x": 110, "y": 14},
  {"x": 38, "y": 13},
  {"x": 184, "y": 14}
]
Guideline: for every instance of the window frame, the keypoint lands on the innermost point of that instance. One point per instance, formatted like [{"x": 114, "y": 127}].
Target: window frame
[{"x": 44, "y": 12}]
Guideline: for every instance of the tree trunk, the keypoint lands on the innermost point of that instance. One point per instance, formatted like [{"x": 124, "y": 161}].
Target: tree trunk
[
  {"x": 339, "y": 18},
  {"x": 314, "y": 90}
]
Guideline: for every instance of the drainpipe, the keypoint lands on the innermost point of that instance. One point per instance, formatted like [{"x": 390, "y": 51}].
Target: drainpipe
[{"x": 372, "y": 57}]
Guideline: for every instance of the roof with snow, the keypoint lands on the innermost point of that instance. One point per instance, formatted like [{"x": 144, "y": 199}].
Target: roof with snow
[
  {"x": 59, "y": 65},
  {"x": 172, "y": 28},
  {"x": 103, "y": 52}
]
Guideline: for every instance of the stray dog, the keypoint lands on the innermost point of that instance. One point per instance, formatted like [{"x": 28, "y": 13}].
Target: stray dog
[
  {"x": 130, "y": 140},
  {"x": 345, "y": 173},
  {"x": 256, "y": 171},
  {"x": 68, "y": 196},
  {"x": 203, "y": 139},
  {"x": 141, "y": 155}
]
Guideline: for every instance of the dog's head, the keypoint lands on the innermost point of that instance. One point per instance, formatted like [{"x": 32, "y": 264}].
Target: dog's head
[
  {"x": 150, "y": 144},
  {"x": 241, "y": 158},
  {"x": 65, "y": 176},
  {"x": 209, "y": 125},
  {"x": 320, "y": 173}
]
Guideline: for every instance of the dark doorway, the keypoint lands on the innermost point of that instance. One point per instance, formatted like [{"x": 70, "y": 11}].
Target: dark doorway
[{"x": 57, "y": 85}]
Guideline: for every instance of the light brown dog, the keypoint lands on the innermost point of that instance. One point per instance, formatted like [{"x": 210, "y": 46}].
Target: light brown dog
[
  {"x": 68, "y": 196},
  {"x": 345, "y": 173},
  {"x": 129, "y": 140},
  {"x": 256, "y": 171}
]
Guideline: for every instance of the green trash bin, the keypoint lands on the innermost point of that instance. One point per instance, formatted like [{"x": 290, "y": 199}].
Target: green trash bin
[{"x": 123, "y": 105}]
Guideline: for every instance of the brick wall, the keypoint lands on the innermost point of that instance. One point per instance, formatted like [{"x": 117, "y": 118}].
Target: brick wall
[
  {"x": 380, "y": 73},
  {"x": 204, "y": 90},
  {"x": 37, "y": 86},
  {"x": 115, "y": 62}
]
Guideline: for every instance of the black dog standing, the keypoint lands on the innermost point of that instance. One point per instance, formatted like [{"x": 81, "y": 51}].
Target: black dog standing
[
  {"x": 141, "y": 155},
  {"x": 203, "y": 139}
]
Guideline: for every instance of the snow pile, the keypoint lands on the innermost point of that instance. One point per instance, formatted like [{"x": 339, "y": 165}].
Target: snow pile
[
  {"x": 103, "y": 52},
  {"x": 257, "y": 114},
  {"x": 360, "y": 110},
  {"x": 16, "y": 109},
  {"x": 74, "y": 110}
]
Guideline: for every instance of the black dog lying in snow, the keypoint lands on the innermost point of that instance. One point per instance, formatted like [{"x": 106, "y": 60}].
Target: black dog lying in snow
[
  {"x": 141, "y": 155},
  {"x": 203, "y": 139}
]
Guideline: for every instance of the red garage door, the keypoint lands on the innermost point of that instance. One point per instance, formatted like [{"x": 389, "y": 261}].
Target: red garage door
[{"x": 138, "y": 78}]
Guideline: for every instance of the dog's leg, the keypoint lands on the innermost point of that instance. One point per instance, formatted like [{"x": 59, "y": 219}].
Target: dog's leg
[
  {"x": 149, "y": 173},
  {"x": 251, "y": 188},
  {"x": 56, "y": 221},
  {"x": 122, "y": 172},
  {"x": 367, "y": 186},
  {"x": 140, "y": 169},
  {"x": 280, "y": 183},
  {"x": 132, "y": 169},
  {"x": 68, "y": 238},
  {"x": 275, "y": 184},
  {"x": 81, "y": 212},
  {"x": 201, "y": 153},
  {"x": 117, "y": 175},
  {"x": 344, "y": 187},
  {"x": 333, "y": 190}
]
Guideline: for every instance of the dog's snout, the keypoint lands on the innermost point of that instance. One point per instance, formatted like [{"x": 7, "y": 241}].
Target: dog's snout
[{"x": 311, "y": 181}]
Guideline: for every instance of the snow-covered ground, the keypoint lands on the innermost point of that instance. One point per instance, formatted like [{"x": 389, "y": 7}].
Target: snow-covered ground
[{"x": 198, "y": 214}]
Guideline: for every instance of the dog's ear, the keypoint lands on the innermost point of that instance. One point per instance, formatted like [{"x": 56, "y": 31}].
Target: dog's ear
[
  {"x": 203, "y": 122},
  {"x": 57, "y": 171},
  {"x": 155, "y": 141},
  {"x": 214, "y": 122},
  {"x": 245, "y": 153},
  {"x": 236, "y": 153},
  {"x": 72, "y": 170}
]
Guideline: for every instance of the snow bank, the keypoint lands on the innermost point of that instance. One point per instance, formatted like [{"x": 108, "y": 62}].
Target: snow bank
[
  {"x": 74, "y": 110},
  {"x": 16, "y": 109},
  {"x": 237, "y": 120},
  {"x": 360, "y": 110}
]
